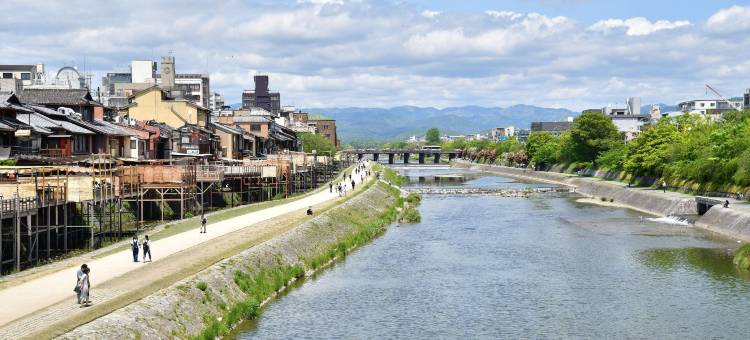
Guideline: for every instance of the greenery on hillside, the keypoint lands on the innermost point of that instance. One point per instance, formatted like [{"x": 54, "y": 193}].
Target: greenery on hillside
[{"x": 688, "y": 151}]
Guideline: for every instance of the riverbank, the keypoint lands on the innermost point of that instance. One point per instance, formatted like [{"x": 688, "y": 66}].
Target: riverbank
[
  {"x": 731, "y": 222},
  {"x": 212, "y": 301},
  {"x": 42, "y": 306}
]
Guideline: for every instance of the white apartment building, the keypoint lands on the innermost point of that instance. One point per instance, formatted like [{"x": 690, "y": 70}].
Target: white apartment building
[{"x": 710, "y": 107}]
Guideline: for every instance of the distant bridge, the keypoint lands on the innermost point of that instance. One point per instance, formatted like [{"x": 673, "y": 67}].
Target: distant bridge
[{"x": 423, "y": 153}]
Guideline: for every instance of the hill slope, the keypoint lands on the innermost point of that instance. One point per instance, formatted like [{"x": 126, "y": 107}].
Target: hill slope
[{"x": 367, "y": 124}]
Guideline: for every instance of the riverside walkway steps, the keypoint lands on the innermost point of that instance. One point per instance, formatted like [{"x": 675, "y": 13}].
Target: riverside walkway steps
[{"x": 27, "y": 305}]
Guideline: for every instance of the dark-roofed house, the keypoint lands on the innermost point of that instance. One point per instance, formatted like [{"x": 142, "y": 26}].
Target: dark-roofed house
[
  {"x": 555, "y": 128},
  {"x": 79, "y": 100},
  {"x": 12, "y": 131},
  {"x": 236, "y": 143},
  {"x": 64, "y": 138}
]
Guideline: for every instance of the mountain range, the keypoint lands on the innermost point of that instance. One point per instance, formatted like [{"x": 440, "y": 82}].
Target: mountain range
[
  {"x": 361, "y": 124},
  {"x": 356, "y": 124}
]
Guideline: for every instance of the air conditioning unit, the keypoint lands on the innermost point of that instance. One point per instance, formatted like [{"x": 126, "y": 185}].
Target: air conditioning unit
[
  {"x": 131, "y": 122},
  {"x": 117, "y": 119}
]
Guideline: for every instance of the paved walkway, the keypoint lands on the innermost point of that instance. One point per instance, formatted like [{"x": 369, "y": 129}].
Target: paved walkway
[{"x": 38, "y": 294}]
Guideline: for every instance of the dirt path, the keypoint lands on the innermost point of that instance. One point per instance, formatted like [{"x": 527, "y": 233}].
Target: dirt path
[{"x": 44, "y": 306}]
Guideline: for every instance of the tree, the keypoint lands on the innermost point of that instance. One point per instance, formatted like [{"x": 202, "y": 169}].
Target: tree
[
  {"x": 317, "y": 142},
  {"x": 542, "y": 148},
  {"x": 433, "y": 136},
  {"x": 591, "y": 134}
]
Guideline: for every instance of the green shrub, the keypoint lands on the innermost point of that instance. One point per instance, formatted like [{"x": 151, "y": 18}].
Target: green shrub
[
  {"x": 202, "y": 286},
  {"x": 411, "y": 215},
  {"x": 742, "y": 257}
]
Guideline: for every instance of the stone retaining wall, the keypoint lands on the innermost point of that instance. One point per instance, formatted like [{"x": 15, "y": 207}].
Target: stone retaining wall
[
  {"x": 184, "y": 310},
  {"x": 728, "y": 222}
]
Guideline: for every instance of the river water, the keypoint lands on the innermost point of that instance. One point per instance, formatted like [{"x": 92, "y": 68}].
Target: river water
[{"x": 493, "y": 267}]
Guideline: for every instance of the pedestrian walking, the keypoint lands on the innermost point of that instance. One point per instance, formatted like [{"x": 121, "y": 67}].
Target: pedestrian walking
[
  {"x": 146, "y": 249},
  {"x": 664, "y": 186},
  {"x": 134, "y": 247},
  {"x": 353, "y": 185},
  {"x": 84, "y": 286},
  {"x": 330, "y": 187},
  {"x": 77, "y": 288},
  {"x": 204, "y": 221}
]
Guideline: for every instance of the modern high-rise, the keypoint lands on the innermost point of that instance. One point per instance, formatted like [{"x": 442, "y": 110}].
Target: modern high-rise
[{"x": 261, "y": 97}]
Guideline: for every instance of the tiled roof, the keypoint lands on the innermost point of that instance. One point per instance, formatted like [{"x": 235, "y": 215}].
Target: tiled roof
[
  {"x": 40, "y": 123},
  {"x": 252, "y": 119},
  {"x": 227, "y": 129},
  {"x": 56, "y": 96},
  {"x": 64, "y": 121},
  {"x": 29, "y": 68},
  {"x": 113, "y": 129}
]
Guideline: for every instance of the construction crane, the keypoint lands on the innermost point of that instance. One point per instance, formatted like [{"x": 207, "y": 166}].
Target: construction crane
[{"x": 729, "y": 103}]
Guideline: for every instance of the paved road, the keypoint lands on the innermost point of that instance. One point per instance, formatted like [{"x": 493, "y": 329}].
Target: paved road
[{"x": 37, "y": 294}]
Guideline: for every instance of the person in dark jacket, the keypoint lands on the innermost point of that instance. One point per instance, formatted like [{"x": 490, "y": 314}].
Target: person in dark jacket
[
  {"x": 134, "y": 247},
  {"x": 146, "y": 249}
]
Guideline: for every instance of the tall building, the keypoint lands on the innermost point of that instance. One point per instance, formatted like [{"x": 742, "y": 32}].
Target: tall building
[
  {"x": 194, "y": 87},
  {"x": 122, "y": 83},
  {"x": 27, "y": 74},
  {"x": 215, "y": 101},
  {"x": 325, "y": 127},
  {"x": 261, "y": 97}
]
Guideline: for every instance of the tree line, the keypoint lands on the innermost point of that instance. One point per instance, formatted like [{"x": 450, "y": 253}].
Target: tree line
[{"x": 691, "y": 151}]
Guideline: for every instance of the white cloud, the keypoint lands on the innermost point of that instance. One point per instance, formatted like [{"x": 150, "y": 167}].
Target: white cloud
[
  {"x": 730, "y": 20},
  {"x": 637, "y": 26},
  {"x": 430, "y": 14},
  {"x": 388, "y": 53},
  {"x": 504, "y": 15}
]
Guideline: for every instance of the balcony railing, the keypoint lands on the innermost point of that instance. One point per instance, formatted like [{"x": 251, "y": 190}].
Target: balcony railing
[{"x": 52, "y": 153}]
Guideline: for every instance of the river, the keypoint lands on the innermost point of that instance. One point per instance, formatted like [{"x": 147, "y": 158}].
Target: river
[{"x": 493, "y": 267}]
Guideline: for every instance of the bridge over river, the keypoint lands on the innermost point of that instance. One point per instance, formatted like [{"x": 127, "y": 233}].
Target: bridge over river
[{"x": 406, "y": 153}]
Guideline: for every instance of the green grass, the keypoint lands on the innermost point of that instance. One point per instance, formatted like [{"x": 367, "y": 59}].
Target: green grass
[
  {"x": 202, "y": 286},
  {"x": 389, "y": 175}
]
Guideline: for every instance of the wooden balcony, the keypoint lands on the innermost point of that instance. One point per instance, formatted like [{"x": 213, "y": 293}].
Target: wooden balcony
[
  {"x": 209, "y": 173},
  {"x": 52, "y": 153}
]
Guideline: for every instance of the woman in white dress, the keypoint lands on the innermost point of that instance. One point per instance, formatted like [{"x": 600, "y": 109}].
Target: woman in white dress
[{"x": 84, "y": 285}]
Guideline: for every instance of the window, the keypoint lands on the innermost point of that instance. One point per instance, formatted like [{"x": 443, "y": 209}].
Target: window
[
  {"x": 713, "y": 104},
  {"x": 133, "y": 145},
  {"x": 7, "y": 75},
  {"x": 80, "y": 144},
  {"x": 25, "y": 76},
  {"x": 255, "y": 127}
]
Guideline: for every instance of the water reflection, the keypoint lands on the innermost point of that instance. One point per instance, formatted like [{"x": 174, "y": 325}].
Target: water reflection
[
  {"x": 715, "y": 262},
  {"x": 492, "y": 267}
]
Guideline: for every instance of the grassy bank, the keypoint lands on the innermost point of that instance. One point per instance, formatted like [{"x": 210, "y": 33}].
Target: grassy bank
[{"x": 262, "y": 285}]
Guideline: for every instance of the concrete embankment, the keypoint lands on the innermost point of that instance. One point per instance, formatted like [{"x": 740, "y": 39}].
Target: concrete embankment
[
  {"x": 644, "y": 200},
  {"x": 201, "y": 304},
  {"x": 728, "y": 222}
]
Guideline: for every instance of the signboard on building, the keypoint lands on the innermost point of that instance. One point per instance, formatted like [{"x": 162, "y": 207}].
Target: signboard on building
[{"x": 23, "y": 133}]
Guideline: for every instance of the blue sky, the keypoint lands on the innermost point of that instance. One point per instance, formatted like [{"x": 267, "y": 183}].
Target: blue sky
[
  {"x": 590, "y": 11},
  {"x": 573, "y": 54}
]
